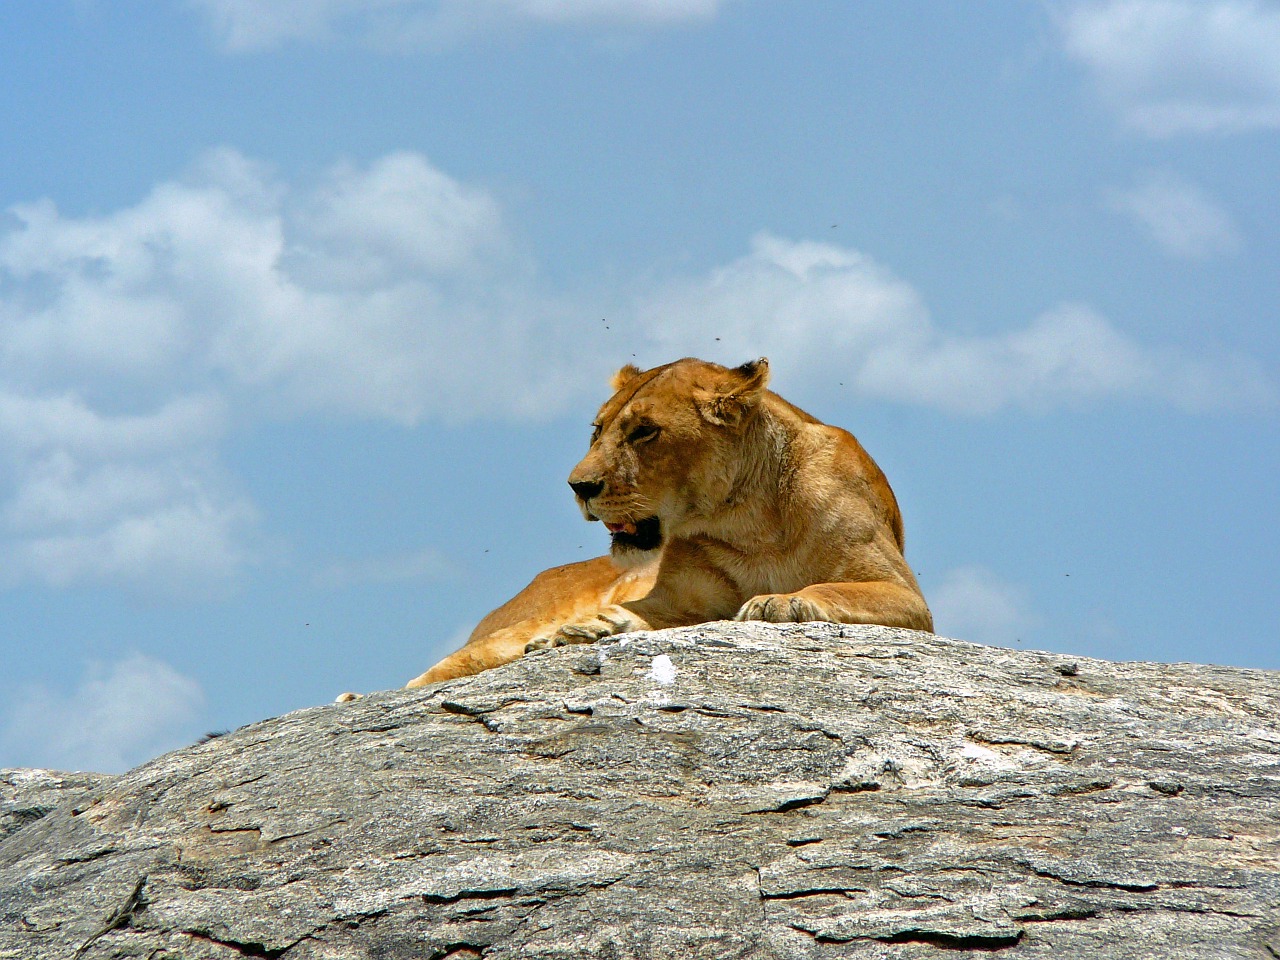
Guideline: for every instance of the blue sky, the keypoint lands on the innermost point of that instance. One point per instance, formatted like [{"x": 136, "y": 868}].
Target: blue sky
[{"x": 306, "y": 306}]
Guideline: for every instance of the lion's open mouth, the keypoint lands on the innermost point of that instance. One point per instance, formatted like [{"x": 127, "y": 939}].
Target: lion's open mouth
[{"x": 643, "y": 534}]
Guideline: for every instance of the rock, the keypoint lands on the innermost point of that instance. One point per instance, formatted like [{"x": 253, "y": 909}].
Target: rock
[
  {"x": 27, "y": 795},
  {"x": 730, "y": 790}
]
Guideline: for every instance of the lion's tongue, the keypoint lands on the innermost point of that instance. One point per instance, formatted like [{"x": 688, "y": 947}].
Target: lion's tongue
[{"x": 621, "y": 527}]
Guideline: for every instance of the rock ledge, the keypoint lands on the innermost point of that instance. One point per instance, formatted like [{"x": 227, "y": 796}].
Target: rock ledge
[{"x": 730, "y": 790}]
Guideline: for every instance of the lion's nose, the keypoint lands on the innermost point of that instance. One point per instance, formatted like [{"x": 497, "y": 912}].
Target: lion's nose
[{"x": 586, "y": 489}]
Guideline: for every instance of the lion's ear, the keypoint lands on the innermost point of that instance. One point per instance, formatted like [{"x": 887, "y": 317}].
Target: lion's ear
[
  {"x": 624, "y": 376},
  {"x": 737, "y": 394},
  {"x": 753, "y": 376}
]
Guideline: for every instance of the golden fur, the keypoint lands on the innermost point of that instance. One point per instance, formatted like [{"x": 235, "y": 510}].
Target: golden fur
[{"x": 723, "y": 501}]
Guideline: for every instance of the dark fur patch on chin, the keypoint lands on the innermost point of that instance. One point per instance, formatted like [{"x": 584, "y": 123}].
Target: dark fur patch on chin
[{"x": 646, "y": 539}]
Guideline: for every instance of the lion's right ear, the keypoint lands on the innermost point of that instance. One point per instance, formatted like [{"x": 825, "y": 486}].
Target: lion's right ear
[
  {"x": 729, "y": 402},
  {"x": 752, "y": 377},
  {"x": 624, "y": 376}
]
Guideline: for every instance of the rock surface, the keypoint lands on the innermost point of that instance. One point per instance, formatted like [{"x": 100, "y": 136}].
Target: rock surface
[
  {"x": 732, "y": 790},
  {"x": 28, "y": 795}
]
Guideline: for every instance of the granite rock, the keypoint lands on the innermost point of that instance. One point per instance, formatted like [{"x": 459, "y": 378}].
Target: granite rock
[{"x": 724, "y": 791}]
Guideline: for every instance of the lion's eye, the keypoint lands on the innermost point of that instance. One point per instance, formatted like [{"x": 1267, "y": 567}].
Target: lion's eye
[
  {"x": 642, "y": 433},
  {"x": 595, "y": 432}
]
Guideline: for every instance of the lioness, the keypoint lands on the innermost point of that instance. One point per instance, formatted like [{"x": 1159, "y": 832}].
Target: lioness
[{"x": 722, "y": 501}]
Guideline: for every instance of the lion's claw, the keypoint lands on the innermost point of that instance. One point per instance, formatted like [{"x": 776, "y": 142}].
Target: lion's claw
[
  {"x": 580, "y": 633},
  {"x": 566, "y": 635}
]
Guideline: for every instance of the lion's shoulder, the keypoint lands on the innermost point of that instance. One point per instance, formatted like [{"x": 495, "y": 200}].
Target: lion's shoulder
[{"x": 835, "y": 461}]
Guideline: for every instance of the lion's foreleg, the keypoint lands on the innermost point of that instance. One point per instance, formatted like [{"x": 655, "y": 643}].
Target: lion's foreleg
[{"x": 501, "y": 646}]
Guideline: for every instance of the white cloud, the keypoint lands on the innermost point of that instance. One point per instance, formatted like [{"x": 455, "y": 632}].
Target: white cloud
[
  {"x": 972, "y": 603},
  {"x": 1182, "y": 66},
  {"x": 179, "y": 548},
  {"x": 124, "y": 295},
  {"x": 1179, "y": 216},
  {"x": 36, "y": 428},
  {"x": 624, "y": 12},
  {"x": 383, "y": 292},
  {"x": 262, "y": 24},
  {"x": 388, "y": 292},
  {"x": 131, "y": 342},
  {"x": 809, "y": 306},
  {"x": 824, "y": 313},
  {"x": 394, "y": 292},
  {"x": 128, "y": 499},
  {"x": 401, "y": 216},
  {"x": 117, "y": 717}
]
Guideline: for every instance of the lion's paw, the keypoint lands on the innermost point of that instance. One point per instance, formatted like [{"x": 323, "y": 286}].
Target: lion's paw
[
  {"x": 603, "y": 624},
  {"x": 782, "y": 608},
  {"x": 541, "y": 643}
]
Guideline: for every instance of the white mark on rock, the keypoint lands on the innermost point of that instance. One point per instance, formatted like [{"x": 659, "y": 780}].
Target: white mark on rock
[
  {"x": 663, "y": 670},
  {"x": 979, "y": 754}
]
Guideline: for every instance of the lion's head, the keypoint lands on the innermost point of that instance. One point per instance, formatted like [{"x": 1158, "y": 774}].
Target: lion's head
[{"x": 667, "y": 450}]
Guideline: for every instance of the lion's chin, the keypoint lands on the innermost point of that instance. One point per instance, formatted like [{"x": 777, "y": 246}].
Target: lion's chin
[{"x": 635, "y": 543}]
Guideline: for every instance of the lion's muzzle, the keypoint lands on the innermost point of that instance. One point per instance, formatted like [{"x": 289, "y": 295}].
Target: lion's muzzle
[{"x": 641, "y": 535}]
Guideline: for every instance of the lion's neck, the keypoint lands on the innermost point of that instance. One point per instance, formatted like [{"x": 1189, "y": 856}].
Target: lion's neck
[
  {"x": 762, "y": 466},
  {"x": 746, "y": 515}
]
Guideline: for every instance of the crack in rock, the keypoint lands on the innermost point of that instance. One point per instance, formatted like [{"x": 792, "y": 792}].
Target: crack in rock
[
  {"x": 259, "y": 951},
  {"x": 988, "y": 942}
]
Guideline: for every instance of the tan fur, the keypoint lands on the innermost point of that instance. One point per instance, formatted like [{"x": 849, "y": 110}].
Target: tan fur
[
  {"x": 555, "y": 597},
  {"x": 765, "y": 514}
]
